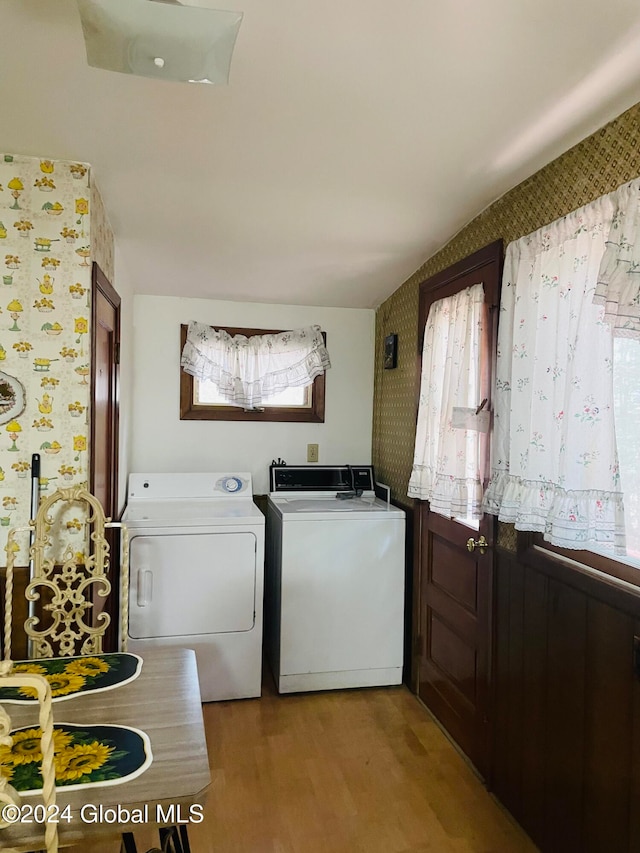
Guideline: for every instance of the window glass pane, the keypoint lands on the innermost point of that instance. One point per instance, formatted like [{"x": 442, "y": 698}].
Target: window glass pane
[
  {"x": 468, "y": 521},
  {"x": 626, "y": 387},
  {"x": 207, "y": 394}
]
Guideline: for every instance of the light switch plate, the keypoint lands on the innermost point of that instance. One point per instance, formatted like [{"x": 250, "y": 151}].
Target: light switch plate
[{"x": 312, "y": 453}]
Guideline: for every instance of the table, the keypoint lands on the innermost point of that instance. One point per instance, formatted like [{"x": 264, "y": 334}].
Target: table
[{"x": 163, "y": 701}]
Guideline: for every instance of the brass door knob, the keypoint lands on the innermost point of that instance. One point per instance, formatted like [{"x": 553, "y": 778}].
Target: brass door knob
[{"x": 480, "y": 543}]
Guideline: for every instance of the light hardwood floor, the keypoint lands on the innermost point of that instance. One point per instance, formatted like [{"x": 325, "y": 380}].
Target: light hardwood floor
[{"x": 339, "y": 772}]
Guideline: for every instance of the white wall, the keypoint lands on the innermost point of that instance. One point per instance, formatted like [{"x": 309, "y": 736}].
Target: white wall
[{"x": 162, "y": 442}]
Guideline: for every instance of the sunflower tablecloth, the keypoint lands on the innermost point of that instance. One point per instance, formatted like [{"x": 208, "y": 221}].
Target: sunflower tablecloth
[
  {"x": 69, "y": 677},
  {"x": 84, "y": 755}
]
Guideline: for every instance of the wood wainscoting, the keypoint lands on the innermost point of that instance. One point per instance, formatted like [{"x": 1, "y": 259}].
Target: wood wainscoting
[{"x": 567, "y": 704}]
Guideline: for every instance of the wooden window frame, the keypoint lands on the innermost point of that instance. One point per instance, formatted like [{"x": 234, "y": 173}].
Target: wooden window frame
[
  {"x": 281, "y": 414},
  {"x": 537, "y": 552}
]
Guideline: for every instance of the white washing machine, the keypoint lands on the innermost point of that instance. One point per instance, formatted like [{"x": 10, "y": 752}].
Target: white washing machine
[
  {"x": 334, "y": 580},
  {"x": 197, "y": 575}
]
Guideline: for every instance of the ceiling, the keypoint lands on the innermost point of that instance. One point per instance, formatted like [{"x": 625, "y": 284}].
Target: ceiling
[{"x": 354, "y": 139}]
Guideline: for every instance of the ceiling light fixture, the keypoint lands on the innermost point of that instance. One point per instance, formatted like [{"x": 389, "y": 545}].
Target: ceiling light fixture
[{"x": 161, "y": 39}]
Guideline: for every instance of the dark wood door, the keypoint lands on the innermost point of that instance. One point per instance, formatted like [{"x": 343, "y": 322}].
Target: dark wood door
[
  {"x": 455, "y": 584},
  {"x": 103, "y": 471}
]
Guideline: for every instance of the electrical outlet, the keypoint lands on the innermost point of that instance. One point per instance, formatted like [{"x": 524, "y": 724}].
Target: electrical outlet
[{"x": 312, "y": 452}]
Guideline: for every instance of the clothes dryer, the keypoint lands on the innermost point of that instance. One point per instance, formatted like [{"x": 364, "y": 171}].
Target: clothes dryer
[{"x": 197, "y": 574}]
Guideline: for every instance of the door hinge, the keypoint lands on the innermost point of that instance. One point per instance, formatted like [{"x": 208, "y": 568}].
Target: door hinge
[{"x": 116, "y": 353}]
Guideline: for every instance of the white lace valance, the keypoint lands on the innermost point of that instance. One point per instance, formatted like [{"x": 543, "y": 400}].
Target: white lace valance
[
  {"x": 248, "y": 371},
  {"x": 618, "y": 287}
]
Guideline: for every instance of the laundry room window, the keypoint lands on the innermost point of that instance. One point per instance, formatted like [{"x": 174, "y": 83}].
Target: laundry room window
[
  {"x": 571, "y": 471},
  {"x": 201, "y": 400},
  {"x": 626, "y": 396}
]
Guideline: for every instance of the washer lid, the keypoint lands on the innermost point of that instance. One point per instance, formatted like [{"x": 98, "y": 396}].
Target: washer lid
[
  {"x": 332, "y": 508},
  {"x": 191, "y": 513}
]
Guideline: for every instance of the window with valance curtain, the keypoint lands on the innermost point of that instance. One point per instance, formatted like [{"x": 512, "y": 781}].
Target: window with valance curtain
[
  {"x": 569, "y": 291},
  {"x": 249, "y": 371}
]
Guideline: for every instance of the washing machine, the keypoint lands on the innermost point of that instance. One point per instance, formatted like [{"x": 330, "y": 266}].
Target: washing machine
[
  {"x": 335, "y": 573},
  {"x": 197, "y": 575}
]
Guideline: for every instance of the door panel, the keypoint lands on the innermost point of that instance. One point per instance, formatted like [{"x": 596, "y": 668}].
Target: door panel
[
  {"x": 455, "y": 584},
  {"x": 453, "y": 671},
  {"x": 453, "y": 657},
  {"x": 454, "y": 573}
]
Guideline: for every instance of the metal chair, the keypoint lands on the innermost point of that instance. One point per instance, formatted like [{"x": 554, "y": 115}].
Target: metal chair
[
  {"x": 70, "y": 580},
  {"x": 8, "y": 795}
]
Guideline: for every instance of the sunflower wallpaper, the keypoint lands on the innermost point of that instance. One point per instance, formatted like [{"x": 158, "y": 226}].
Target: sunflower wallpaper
[{"x": 45, "y": 266}]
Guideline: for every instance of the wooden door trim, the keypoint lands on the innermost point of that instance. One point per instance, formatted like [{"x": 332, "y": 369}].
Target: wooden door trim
[
  {"x": 102, "y": 291},
  {"x": 436, "y": 287},
  {"x": 100, "y": 283}
]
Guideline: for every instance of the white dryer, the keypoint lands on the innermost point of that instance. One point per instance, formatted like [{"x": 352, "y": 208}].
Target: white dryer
[{"x": 197, "y": 573}]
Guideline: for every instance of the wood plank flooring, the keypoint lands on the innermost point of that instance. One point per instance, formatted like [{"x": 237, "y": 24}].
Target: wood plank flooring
[{"x": 339, "y": 772}]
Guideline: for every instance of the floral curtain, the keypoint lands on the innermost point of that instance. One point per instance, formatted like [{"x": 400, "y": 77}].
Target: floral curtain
[
  {"x": 447, "y": 465},
  {"x": 554, "y": 459},
  {"x": 249, "y": 370},
  {"x": 618, "y": 287}
]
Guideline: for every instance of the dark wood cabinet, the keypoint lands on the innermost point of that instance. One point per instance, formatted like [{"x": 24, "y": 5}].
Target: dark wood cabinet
[{"x": 567, "y": 705}]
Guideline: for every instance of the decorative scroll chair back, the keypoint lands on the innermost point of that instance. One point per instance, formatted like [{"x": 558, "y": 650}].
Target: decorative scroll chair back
[
  {"x": 8, "y": 794},
  {"x": 70, "y": 581}
]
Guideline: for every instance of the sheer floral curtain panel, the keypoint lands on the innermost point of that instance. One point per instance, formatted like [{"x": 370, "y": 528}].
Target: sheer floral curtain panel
[
  {"x": 618, "y": 287},
  {"x": 554, "y": 457},
  {"x": 249, "y": 370},
  {"x": 446, "y": 467}
]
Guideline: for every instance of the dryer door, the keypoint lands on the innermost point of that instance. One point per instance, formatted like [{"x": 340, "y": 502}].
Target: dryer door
[{"x": 184, "y": 585}]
